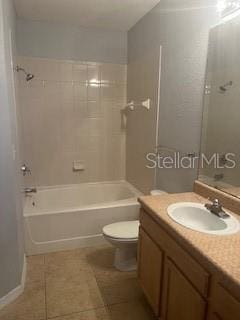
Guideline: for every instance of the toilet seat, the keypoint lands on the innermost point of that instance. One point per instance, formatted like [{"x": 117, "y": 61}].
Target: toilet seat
[{"x": 126, "y": 230}]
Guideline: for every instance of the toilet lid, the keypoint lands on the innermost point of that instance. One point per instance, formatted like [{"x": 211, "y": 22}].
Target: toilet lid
[{"x": 122, "y": 230}]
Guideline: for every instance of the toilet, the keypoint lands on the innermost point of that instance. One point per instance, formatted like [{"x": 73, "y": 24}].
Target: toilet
[
  {"x": 123, "y": 236},
  {"x": 158, "y": 192}
]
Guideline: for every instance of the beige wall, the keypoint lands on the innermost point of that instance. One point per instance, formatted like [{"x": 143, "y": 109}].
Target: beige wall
[
  {"x": 72, "y": 111},
  {"x": 60, "y": 41}
]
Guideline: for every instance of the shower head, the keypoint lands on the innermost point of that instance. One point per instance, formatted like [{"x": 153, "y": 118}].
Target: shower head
[
  {"x": 225, "y": 87},
  {"x": 222, "y": 88},
  {"x": 29, "y": 76}
]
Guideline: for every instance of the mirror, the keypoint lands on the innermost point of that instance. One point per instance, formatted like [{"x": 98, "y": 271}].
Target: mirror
[{"x": 220, "y": 147}]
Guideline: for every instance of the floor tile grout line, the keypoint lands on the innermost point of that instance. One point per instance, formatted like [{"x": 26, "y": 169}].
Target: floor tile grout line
[
  {"x": 102, "y": 296},
  {"x": 107, "y": 305},
  {"x": 122, "y": 302},
  {"x": 78, "y": 312}
]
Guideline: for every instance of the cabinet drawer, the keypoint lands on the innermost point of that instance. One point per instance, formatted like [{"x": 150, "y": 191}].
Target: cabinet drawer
[{"x": 196, "y": 274}]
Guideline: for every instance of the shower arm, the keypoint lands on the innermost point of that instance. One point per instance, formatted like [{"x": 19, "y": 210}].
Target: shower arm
[
  {"x": 29, "y": 76},
  {"x": 17, "y": 68}
]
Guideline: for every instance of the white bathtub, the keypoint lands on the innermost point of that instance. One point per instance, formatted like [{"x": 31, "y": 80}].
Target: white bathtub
[{"x": 67, "y": 217}]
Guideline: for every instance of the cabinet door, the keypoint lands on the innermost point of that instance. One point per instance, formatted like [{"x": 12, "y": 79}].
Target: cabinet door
[
  {"x": 224, "y": 316},
  {"x": 214, "y": 316},
  {"x": 219, "y": 316},
  {"x": 181, "y": 300},
  {"x": 223, "y": 305},
  {"x": 150, "y": 259}
]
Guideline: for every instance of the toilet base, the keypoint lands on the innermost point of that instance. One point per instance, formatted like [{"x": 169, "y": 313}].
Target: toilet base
[{"x": 126, "y": 258}]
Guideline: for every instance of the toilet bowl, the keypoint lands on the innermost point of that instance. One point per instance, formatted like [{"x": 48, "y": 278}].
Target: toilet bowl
[{"x": 124, "y": 237}]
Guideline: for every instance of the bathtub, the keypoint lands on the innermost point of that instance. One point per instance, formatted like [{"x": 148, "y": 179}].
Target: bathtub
[{"x": 72, "y": 216}]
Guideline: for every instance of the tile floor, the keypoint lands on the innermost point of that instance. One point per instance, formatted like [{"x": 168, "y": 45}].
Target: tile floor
[{"x": 78, "y": 285}]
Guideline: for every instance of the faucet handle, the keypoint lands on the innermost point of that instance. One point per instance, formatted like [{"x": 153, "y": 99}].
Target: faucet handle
[
  {"x": 216, "y": 202},
  {"x": 213, "y": 200}
]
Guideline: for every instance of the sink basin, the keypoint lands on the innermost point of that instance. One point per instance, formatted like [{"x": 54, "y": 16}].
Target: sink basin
[{"x": 196, "y": 217}]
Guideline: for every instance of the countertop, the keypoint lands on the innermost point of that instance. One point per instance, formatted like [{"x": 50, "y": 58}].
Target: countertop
[{"x": 220, "y": 253}]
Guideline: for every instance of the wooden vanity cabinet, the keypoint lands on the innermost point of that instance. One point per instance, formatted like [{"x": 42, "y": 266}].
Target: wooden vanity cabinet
[{"x": 176, "y": 285}]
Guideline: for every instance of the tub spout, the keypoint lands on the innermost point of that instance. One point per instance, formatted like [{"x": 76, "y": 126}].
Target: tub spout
[{"x": 30, "y": 190}]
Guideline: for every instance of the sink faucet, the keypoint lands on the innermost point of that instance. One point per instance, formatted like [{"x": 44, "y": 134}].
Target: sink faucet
[
  {"x": 29, "y": 191},
  {"x": 216, "y": 208}
]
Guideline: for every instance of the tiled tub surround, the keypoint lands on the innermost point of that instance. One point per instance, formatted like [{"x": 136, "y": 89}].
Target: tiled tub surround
[{"x": 71, "y": 110}]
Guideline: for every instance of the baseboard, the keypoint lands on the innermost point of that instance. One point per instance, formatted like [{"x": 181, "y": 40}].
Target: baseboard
[
  {"x": 24, "y": 272},
  {"x": 13, "y": 294}
]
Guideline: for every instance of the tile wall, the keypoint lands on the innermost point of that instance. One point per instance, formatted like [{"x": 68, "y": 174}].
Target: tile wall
[{"x": 72, "y": 111}]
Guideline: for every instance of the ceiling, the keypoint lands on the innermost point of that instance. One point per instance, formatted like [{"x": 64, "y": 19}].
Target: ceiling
[{"x": 108, "y": 14}]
